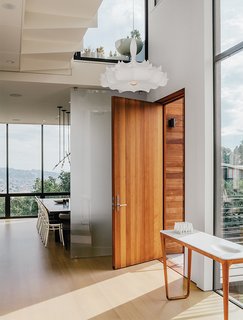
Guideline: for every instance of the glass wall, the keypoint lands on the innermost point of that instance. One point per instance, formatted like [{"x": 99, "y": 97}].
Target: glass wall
[
  {"x": 56, "y": 160},
  {"x": 229, "y": 24},
  {"x": 116, "y": 20},
  {"x": 24, "y": 157},
  {"x": 229, "y": 133},
  {"x": 31, "y": 164},
  {"x": 3, "y": 171},
  {"x": 3, "y": 176},
  {"x": 91, "y": 223}
]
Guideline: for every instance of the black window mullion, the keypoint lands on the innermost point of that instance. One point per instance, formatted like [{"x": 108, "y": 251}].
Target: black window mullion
[
  {"x": 229, "y": 52},
  {"x": 7, "y": 161},
  {"x": 7, "y": 198},
  {"x": 218, "y": 58},
  {"x": 146, "y": 29},
  {"x": 42, "y": 161}
]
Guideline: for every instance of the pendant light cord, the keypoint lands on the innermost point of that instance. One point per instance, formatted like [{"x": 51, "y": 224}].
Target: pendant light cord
[
  {"x": 68, "y": 132},
  {"x": 133, "y": 18},
  {"x": 63, "y": 132},
  {"x": 59, "y": 131}
]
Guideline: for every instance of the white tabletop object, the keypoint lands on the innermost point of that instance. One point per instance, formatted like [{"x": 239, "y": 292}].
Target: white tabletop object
[{"x": 212, "y": 245}]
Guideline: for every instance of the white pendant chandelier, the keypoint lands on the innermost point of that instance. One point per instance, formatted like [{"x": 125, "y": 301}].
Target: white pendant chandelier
[{"x": 133, "y": 76}]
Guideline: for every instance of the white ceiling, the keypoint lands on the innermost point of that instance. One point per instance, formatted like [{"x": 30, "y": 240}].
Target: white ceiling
[
  {"x": 37, "y": 104},
  {"x": 11, "y": 14},
  {"x": 40, "y": 36}
]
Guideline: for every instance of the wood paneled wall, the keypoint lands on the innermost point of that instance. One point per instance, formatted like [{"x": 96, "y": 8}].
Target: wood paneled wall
[{"x": 174, "y": 168}]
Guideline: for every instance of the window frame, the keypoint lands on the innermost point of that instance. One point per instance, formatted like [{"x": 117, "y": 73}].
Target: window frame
[
  {"x": 217, "y": 59},
  {"x": 78, "y": 57},
  {"x": 7, "y": 195}
]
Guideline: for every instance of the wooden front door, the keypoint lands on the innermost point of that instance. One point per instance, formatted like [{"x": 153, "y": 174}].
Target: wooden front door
[{"x": 137, "y": 151}]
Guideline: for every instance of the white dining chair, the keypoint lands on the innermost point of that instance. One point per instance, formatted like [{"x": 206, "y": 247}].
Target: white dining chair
[
  {"x": 40, "y": 215},
  {"x": 45, "y": 225}
]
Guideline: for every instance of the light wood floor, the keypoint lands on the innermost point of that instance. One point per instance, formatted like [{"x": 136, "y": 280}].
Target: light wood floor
[{"x": 39, "y": 283}]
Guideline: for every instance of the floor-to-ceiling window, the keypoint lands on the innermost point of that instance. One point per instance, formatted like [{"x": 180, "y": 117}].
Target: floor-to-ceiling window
[
  {"x": 34, "y": 160},
  {"x": 229, "y": 132},
  {"x": 3, "y": 172}
]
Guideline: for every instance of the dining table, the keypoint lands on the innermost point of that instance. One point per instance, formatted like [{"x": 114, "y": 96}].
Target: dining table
[{"x": 56, "y": 206}]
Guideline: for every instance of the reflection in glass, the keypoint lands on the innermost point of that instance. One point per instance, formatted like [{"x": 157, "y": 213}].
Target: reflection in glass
[
  {"x": 91, "y": 230},
  {"x": 231, "y": 222},
  {"x": 115, "y": 21},
  {"x": 56, "y": 173},
  {"x": 3, "y": 185},
  {"x": 229, "y": 23},
  {"x": 2, "y": 207},
  {"x": 23, "y": 206},
  {"x": 24, "y": 157}
]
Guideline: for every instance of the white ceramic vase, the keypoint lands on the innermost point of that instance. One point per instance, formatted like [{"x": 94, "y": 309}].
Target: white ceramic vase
[{"x": 123, "y": 46}]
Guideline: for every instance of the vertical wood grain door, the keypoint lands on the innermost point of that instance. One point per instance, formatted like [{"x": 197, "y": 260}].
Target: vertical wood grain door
[{"x": 137, "y": 147}]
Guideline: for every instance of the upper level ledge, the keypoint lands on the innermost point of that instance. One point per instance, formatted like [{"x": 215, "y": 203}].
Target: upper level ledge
[{"x": 82, "y": 74}]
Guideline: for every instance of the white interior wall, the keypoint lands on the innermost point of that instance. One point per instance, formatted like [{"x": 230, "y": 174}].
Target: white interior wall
[{"x": 180, "y": 39}]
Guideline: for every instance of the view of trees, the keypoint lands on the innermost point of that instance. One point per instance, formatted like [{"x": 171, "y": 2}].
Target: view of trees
[
  {"x": 232, "y": 191},
  {"x": 2, "y": 207},
  {"x": 232, "y": 174},
  {"x": 51, "y": 184},
  {"x": 26, "y": 205},
  {"x": 23, "y": 206},
  {"x": 225, "y": 154}
]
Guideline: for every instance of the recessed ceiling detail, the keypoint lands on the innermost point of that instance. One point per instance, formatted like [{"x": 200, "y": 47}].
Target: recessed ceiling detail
[{"x": 42, "y": 34}]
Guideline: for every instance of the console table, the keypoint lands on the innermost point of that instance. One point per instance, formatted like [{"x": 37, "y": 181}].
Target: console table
[{"x": 220, "y": 250}]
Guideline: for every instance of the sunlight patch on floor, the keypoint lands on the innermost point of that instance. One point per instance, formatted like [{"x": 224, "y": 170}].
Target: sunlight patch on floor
[
  {"x": 128, "y": 291},
  {"x": 96, "y": 299},
  {"x": 3, "y": 222},
  {"x": 210, "y": 308}
]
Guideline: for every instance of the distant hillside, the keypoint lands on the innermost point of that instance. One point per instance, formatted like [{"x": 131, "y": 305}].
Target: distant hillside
[
  {"x": 17, "y": 173},
  {"x": 23, "y": 180}
]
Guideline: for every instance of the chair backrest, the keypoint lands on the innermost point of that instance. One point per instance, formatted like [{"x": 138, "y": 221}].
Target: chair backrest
[
  {"x": 38, "y": 204},
  {"x": 42, "y": 209},
  {"x": 45, "y": 212}
]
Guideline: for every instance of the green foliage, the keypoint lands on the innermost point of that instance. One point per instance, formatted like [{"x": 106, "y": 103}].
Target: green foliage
[
  {"x": 225, "y": 154},
  {"x": 2, "y": 207},
  {"x": 27, "y": 206},
  {"x": 23, "y": 206},
  {"x": 136, "y": 34},
  {"x": 64, "y": 178},
  {"x": 50, "y": 185},
  {"x": 228, "y": 187},
  {"x": 232, "y": 195},
  {"x": 59, "y": 184},
  {"x": 238, "y": 154}
]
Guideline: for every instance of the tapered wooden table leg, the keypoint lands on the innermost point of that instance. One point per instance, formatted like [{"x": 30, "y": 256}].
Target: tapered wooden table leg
[
  {"x": 207, "y": 247},
  {"x": 165, "y": 266},
  {"x": 225, "y": 269},
  {"x": 166, "y": 275},
  {"x": 189, "y": 271}
]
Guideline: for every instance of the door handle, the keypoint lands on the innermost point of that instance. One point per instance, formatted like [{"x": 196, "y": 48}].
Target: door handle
[{"x": 118, "y": 204}]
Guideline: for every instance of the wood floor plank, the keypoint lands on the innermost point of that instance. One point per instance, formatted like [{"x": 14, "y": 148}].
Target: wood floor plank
[{"x": 44, "y": 283}]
